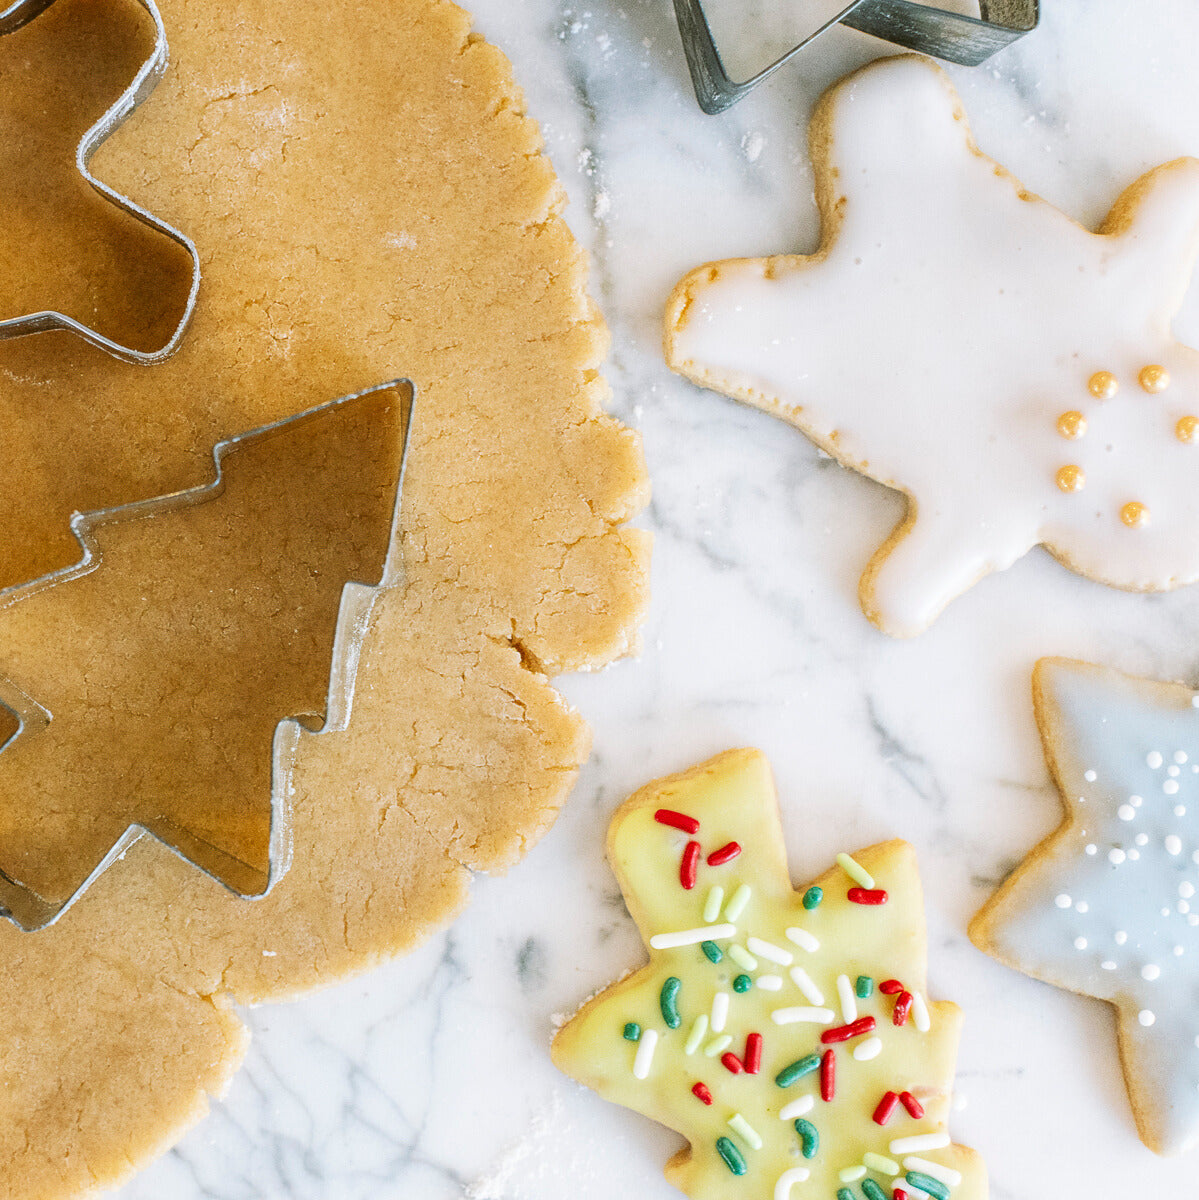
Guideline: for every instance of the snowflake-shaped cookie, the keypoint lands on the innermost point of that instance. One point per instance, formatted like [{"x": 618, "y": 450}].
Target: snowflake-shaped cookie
[
  {"x": 785, "y": 1034},
  {"x": 1104, "y": 905},
  {"x": 966, "y": 343}
]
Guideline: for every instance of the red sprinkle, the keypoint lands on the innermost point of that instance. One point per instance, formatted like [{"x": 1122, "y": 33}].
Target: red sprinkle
[
  {"x": 828, "y": 1075},
  {"x": 700, "y": 1092},
  {"x": 890, "y": 987},
  {"x": 899, "y": 1194},
  {"x": 725, "y": 854},
  {"x": 867, "y": 896},
  {"x": 914, "y": 1107},
  {"x": 732, "y": 1062},
  {"x": 886, "y": 1106},
  {"x": 678, "y": 820},
  {"x": 753, "y": 1054},
  {"x": 688, "y": 865},
  {"x": 902, "y": 1007},
  {"x": 843, "y": 1033}
]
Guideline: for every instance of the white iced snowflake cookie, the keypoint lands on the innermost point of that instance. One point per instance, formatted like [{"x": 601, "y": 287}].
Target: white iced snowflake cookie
[
  {"x": 1108, "y": 905},
  {"x": 966, "y": 343}
]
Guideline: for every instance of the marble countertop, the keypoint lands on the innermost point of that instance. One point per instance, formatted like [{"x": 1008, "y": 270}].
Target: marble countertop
[{"x": 430, "y": 1078}]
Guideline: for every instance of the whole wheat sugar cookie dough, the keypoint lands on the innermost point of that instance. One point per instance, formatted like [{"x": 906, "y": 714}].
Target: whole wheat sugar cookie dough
[
  {"x": 365, "y": 207},
  {"x": 1103, "y": 906},
  {"x": 785, "y": 1033},
  {"x": 1032, "y": 393}
]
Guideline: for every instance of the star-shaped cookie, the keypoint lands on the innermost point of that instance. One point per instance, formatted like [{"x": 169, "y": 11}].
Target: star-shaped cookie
[
  {"x": 966, "y": 343},
  {"x": 784, "y": 1033},
  {"x": 1104, "y": 905}
]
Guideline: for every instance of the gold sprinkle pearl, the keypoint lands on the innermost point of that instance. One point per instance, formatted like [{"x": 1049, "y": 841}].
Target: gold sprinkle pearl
[
  {"x": 1103, "y": 385},
  {"x": 1071, "y": 478},
  {"x": 1154, "y": 378},
  {"x": 1134, "y": 515},
  {"x": 1072, "y": 424},
  {"x": 1186, "y": 429}
]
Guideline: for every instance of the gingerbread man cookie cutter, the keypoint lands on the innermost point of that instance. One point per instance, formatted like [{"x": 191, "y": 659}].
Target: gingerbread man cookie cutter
[
  {"x": 12, "y": 18},
  {"x": 29, "y": 910},
  {"x": 952, "y": 36}
]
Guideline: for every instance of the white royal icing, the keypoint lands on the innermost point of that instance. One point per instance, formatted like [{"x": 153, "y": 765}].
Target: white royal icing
[
  {"x": 1125, "y": 936},
  {"x": 948, "y": 383}
]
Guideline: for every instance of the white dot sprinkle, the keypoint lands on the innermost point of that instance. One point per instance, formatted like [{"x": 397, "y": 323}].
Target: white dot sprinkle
[
  {"x": 1120, "y": 937},
  {"x": 1063, "y": 901},
  {"x": 1142, "y": 839},
  {"x": 1093, "y": 849},
  {"x": 1153, "y": 760},
  {"x": 1165, "y": 911},
  {"x": 1090, "y": 776},
  {"x": 1150, "y": 972},
  {"x": 1179, "y": 951},
  {"x": 1195, "y": 701},
  {"x": 1080, "y": 943},
  {"x": 1186, "y": 889},
  {"x": 1115, "y": 855},
  {"x": 1172, "y": 771},
  {"x": 1193, "y": 919},
  {"x": 1082, "y": 906},
  {"x": 1136, "y": 801},
  {"x": 1170, "y": 787},
  {"x": 1146, "y": 1017},
  {"x": 1108, "y": 965},
  {"x": 1184, "y": 907},
  {"x": 1180, "y": 756},
  {"x": 1126, "y": 812},
  {"x": 1195, "y": 857},
  {"x": 1134, "y": 855},
  {"x": 1174, "y": 844},
  {"x": 1180, "y": 810}
]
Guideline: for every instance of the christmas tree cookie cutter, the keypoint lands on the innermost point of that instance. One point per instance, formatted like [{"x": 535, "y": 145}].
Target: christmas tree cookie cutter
[
  {"x": 14, "y": 17},
  {"x": 948, "y": 35},
  {"x": 32, "y": 911}
]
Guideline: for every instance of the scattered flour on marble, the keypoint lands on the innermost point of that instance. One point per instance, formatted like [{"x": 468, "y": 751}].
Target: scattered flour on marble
[
  {"x": 528, "y": 1153},
  {"x": 752, "y": 145}
]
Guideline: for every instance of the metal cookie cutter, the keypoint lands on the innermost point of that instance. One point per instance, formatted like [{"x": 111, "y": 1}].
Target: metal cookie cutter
[
  {"x": 12, "y": 18},
  {"x": 948, "y": 35},
  {"x": 30, "y": 911}
]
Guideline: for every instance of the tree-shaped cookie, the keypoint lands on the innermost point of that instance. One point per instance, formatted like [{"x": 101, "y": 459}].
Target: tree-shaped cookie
[
  {"x": 964, "y": 342},
  {"x": 785, "y": 1034},
  {"x": 152, "y": 679},
  {"x": 1104, "y": 905}
]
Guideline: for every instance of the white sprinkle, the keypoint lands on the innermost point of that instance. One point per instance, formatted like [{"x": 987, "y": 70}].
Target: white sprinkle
[
  {"x": 1126, "y": 812},
  {"x": 1170, "y": 787},
  {"x": 1180, "y": 756},
  {"x": 1180, "y": 810},
  {"x": 922, "y": 1141},
  {"x": 1153, "y": 760},
  {"x": 812, "y": 1016},
  {"x": 793, "y": 1175},
  {"x": 1063, "y": 901},
  {"x": 920, "y": 1013},
  {"x": 769, "y": 983},
  {"x": 1080, "y": 943},
  {"x": 1146, "y": 1017},
  {"x": 855, "y": 871},
  {"x": 712, "y": 903},
  {"x": 770, "y": 952},
  {"x": 1179, "y": 951},
  {"x": 1194, "y": 854},
  {"x": 1184, "y": 907},
  {"x": 1150, "y": 972},
  {"x": 1172, "y": 771},
  {"x": 1186, "y": 890},
  {"x": 849, "y": 1002},
  {"x": 1092, "y": 848},
  {"x": 947, "y": 1175},
  {"x": 1195, "y": 701},
  {"x": 1082, "y": 906},
  {"x": 1116, "y": 856},
  {"x": 803, "y": 939},
  {"x": 1090, "y": 776},
  {"x": 737, "y": 902},
  {"x": 1119, "y": 937},
  {"x": 1142, "y": 839},
  {"x": 797, "y": 1108},
  {"x": 1174, "y": 844},
  {"x": 720, "y": 1011},
  {"x": 1108, "y": 965},
  {"x": 870, "y": 1048},
  {"x": 1136, "y": 801},
  {"x": 1193, "y": 919},
  {"x": 803, "y": 981},
  {"x": 645, "y": 1053},
  {"x": 1166, "y": 911},
  {"x": 1134, "y": 855},
  {"x": 691, "y": 937}
]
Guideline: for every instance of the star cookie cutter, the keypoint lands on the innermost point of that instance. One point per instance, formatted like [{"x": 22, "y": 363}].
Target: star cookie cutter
[
  {"x": 12, "y": 18},
  {"x": 28, "y": 910},
  {"x": 952, "y": 36}
]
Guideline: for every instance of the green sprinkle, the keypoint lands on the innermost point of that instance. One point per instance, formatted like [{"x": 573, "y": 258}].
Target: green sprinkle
[
  {"x": 718, "y": 1045},
  {"x": 742, "y": 983},
  {"x": 742, "y": 957},
  {"x": 736, "y": 905},
  {"x": 845, "y": 1194},
  {"x": 852, "y": 1174},
  {"x": 668, "y": 1001},
  {"x": 926, "y": 1183},
  {"x": 739, "y": 1125},
  {"x": 809, "y": 1137},
  {"x": 698, "y": 1032},
  {"x": 872, "y": 1191},
  {"x": 855, "y": 871},
  {"x": 712, "y": 904},
  {"x": 880, "y": 1163},
  {"x": 632, "y": 1032},
  {"x": 864, "y": 988},
  {"x": 797, "y": 1070},
  {"x": 733, "y": 1158},
  {"x": 712, "y": 950},
  {"x": 812, "y": 898}
]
